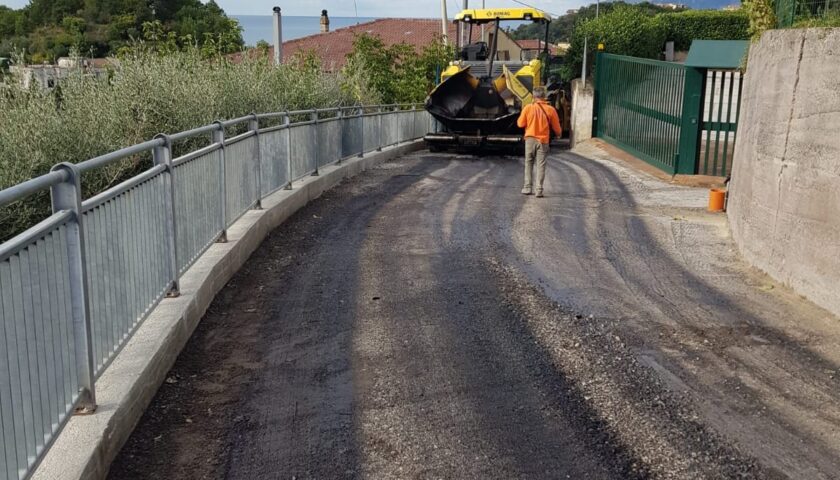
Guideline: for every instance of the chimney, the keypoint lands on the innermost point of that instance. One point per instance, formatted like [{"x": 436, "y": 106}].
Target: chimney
[
  {"x": 278, "y": 36},
  {"x": 325, "y": 22}
]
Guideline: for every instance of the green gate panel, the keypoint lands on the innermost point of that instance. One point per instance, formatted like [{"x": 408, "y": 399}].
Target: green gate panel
[{"x": 640, "y": 108}]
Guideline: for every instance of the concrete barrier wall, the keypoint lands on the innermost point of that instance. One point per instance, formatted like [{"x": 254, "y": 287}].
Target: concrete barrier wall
[
  {"x": 784, "y": 205},
  {"x": 583, "y": 100}
]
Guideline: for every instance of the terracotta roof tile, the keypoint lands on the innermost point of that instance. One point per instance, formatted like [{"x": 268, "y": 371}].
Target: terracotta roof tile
[
  {"x": 333, "y": 47},
  {"x": 535, "y": 44}
]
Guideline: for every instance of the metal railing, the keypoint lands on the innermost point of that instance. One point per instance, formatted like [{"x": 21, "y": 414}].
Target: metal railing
[
  {"x": 789, "y": 12},
  {"x": 75, "y": 287}
]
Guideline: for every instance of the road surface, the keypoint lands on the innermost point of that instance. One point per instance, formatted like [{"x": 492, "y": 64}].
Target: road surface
[{"x": 425, "y": 320}]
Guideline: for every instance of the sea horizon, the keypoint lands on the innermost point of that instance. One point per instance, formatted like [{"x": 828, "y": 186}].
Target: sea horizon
[{"x": 260, "y": 27}]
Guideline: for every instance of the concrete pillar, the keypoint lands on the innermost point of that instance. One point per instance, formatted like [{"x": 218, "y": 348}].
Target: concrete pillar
[
  {"x": 325, "y": 22},
  {"x": 278, "y": 36},
  {"x": 583, "y": 103}
]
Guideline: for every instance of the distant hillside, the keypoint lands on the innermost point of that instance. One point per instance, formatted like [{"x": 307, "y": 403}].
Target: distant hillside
[
  {"x": 709, "y": 4},
  {"x": 48, "y": 29}
]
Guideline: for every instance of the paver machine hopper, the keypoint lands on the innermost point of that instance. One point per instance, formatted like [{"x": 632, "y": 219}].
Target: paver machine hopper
[{"x": 481, "y": 93}]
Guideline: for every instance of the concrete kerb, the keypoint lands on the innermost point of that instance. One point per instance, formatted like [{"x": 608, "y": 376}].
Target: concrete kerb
[{"x": 88, "y": 444}]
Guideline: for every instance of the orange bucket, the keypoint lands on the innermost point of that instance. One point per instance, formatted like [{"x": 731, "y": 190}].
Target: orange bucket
[{"x": 717, "y": 198}]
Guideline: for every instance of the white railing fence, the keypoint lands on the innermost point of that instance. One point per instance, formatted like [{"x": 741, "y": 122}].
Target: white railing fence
[{"x": 75, "y": 287}]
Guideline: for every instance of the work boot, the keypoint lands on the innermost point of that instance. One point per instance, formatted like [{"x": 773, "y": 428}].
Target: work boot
[
  {"x": 527, "y": 191},
  {"x": 539, "y": 194}
]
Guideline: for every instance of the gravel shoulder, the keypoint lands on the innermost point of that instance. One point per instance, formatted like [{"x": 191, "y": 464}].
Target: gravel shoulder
[{"x": 425, "y": 320}]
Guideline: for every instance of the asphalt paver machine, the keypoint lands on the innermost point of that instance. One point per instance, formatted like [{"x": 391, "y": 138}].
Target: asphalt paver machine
[{"x": 480, "y": 95}]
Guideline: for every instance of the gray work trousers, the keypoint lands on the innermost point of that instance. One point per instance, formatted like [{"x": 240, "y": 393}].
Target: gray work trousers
[{"x": 535, "y": 151}]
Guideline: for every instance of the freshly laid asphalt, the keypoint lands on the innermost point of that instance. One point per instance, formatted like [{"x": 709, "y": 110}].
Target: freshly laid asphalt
[{"x": 426, "y": 320}]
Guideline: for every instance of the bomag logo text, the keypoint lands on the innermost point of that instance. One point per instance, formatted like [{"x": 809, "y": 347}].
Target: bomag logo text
[{"x": 499, "y": 13}]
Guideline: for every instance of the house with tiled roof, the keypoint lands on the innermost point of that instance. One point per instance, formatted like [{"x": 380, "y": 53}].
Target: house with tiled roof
[
  {"x": 533, "y": 48},
  {"x": 332, "y": 47}
]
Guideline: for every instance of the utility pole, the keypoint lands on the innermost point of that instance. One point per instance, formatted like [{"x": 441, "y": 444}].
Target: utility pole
[
  {"x": 464, "y": 32},
  {"x": 482, "y": 25},
  {"x": 586, "y": 45},
  {"x": 278, "y": 36},
  {"x": 444, "y": 22}
]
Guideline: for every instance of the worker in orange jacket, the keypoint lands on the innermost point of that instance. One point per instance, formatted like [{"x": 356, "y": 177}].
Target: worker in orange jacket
[{"x": 538, "y": 119}]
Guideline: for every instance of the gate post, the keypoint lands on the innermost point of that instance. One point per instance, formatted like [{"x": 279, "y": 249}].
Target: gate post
[
  {"x": 692, "y": 121},
  {"x": 596, "y": 89}
]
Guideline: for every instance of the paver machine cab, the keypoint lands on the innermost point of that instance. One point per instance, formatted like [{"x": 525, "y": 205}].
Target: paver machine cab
[{"x": 480, "y": 95}]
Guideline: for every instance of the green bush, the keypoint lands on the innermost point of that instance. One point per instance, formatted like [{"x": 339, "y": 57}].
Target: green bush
[
  {"x": 683, "y": 27},
  {"x": 561, "y": 27},
  {"x": 625, "y": 30},
  {"x": 396, "y": 73},
  {"x": 761, "y": 14},
  {"x": 148, "y": 93}
]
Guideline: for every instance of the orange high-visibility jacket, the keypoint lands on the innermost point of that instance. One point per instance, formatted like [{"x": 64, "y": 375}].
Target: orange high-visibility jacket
[{"x": 537, "y": 118}]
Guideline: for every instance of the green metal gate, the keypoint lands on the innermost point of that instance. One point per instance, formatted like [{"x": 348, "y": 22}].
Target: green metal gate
[{"x": 677, "y": 118}]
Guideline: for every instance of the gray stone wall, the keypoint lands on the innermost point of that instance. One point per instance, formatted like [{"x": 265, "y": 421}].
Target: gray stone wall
[{"x": 784, "y": 204}]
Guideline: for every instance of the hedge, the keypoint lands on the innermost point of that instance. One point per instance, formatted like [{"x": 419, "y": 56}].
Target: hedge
[
  {"x": 630, "y": 30},
  {"x": 683, "y": 27},
  {"x": 625, "y": 30}
]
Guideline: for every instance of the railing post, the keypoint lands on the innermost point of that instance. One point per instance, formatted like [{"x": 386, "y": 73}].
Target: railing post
[
  {"x": 218, "y": 136},
  {"x": 340, "y": 121},
  {"x": 315, "y": 126},
  {"x": 399, "y": 115},
  {"x": 379, "y": 128},
  {"x": 162, "y": 155},
  {"x": 67, "y": 196},
  {"x": 288, "y": 124},
  {"x": 254, "y": 126},
  {"x": 362, "y": 136},
  {"x": 413, "y": 121}
]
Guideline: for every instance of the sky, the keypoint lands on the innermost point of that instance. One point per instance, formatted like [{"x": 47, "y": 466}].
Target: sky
[{"x": 366, "y": 8}]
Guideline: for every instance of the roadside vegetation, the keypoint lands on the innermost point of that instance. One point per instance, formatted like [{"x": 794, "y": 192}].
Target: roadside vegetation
[
  {"x": 166, "y": 84},
  {"x": 827, "y": 21},
  {"x": 149, "y": 92}
]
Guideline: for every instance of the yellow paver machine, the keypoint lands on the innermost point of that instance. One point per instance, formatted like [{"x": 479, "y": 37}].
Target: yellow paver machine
[{"x": 481, "y": 95}]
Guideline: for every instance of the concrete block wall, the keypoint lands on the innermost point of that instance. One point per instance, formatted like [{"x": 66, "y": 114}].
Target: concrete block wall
[{"x": 784, "y": 203}]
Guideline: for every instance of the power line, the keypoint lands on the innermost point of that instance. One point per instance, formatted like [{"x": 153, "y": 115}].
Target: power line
[{"x": 536, "y": 8}]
